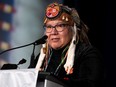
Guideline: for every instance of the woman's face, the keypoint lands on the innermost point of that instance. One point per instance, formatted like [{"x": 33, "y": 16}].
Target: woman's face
[{"x": 58, "y": 39}]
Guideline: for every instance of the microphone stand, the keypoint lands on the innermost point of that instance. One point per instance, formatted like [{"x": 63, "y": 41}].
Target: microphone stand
[
  {"x": 37, "y": 42},
  {"x": 17, "y": 48},
  {"x": 32, "y": 58}
]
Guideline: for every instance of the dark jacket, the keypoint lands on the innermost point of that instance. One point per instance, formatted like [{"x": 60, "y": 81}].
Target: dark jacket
[{"x": 88, "y": 68}]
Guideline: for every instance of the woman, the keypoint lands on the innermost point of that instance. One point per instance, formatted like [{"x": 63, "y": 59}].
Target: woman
[{"x": 67, "y": 53}]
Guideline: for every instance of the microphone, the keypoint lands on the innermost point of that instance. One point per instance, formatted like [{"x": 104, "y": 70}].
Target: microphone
[
  {"x": 37, "y": 42},
  {"x": 41, "y": 40},
  {"x": 13, "y": 66},
  {"x": 22, "y": 61}
]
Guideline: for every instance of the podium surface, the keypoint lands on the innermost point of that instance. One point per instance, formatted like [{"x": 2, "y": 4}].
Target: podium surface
[{"x": 18, "y": 78}]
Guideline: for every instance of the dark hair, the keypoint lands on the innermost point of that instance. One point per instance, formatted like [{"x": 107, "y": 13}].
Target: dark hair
[{"x": 83, "y": 33}]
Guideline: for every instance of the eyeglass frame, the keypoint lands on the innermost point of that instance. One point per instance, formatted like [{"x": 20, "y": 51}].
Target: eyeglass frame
[{"x": 62, "y": 26}]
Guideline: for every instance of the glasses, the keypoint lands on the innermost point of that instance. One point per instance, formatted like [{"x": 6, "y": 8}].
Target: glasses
[{"x": 58, "y": 27}]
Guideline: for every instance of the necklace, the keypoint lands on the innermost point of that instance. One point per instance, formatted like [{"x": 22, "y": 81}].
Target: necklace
[{"x": 63, "y": 57}]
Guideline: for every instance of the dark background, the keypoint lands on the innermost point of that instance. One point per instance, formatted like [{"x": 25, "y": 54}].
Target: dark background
[{"x": 99, "y": 16}]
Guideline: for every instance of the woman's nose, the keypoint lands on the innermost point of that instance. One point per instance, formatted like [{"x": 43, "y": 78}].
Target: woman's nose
[{"x": 54, "y": 31}]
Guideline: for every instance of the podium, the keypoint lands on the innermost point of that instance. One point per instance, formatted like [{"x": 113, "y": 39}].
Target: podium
[
  {"x": 46, "y": 79},
  {"x": 28, "y": 78}
]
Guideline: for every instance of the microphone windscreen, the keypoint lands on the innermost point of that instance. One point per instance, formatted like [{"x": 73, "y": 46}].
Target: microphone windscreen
[
  {"x": 22, "y": 61},
  {"x": 41, "y": 40}
]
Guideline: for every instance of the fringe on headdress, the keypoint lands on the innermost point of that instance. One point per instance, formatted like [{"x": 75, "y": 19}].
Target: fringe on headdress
[
  {"x": 41, "y": 58},
  {"x": 71, "y": 53}
]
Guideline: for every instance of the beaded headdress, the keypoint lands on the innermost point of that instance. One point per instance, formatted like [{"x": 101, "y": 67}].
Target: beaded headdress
[{"x": 61, "y": 12}]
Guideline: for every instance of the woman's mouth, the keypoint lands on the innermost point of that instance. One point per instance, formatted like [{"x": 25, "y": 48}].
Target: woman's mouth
[{"x": 55, "y": 39}]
